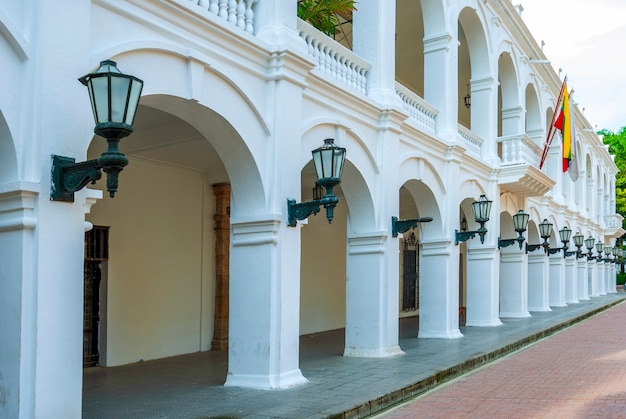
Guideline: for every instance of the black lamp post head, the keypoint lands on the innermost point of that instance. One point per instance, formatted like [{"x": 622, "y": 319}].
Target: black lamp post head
[{"x": 114, "y": 98}]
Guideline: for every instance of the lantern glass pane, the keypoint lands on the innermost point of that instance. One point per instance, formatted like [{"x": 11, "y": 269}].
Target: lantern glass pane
[
  {"x": 133, "y": 101},
  {"x": 99, "y": 91},
  {"x": 119, "y": 97},
  {"x": 578, "y": 239},
  {"x": 327, "y": 163},
  {"x": 607, "y": 250},
  {"x": 599, "y": 247},
  {"x": 565, "y": 234},
  {"x": 520, "y": 220},
  {"x": 545, "y": 229},
  {"x": 339, "y": 156}
]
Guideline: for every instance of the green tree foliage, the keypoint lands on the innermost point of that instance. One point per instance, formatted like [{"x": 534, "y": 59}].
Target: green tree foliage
[
  {"x": 325, "y": 14},
  {"x": 617, "y": 146}
]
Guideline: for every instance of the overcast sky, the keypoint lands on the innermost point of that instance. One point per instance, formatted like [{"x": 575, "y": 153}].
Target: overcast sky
[{"x": 587, "y": 39}]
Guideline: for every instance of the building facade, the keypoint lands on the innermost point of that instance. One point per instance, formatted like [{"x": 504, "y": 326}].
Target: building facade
[{"x": 436, "y": 102}]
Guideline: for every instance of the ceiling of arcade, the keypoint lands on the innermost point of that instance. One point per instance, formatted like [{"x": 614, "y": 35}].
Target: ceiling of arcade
[{"x": 165, "y": 139}]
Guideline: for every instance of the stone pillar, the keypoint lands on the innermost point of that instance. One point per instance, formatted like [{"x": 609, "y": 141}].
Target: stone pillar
[
  {"x": 571, "y": 280},
  {"x": 440, "y": 80},
  {"x": 374, "y": 30},
  {"x": 613, "y": 279},
  {"x": 538, "y": 284},
  {"x": 276, "y": 24},
  {"x": 557, "y": 280},
  {"x": 513, "y": 283},
  {"x": 512, "y": 120},
  {"x": 593, "y": 279},
  {"x": 582, "y": 286},
  {"x": 439, "y": 290},
  {"x": 264, "y": 314},
  {"x": 18, "y": 308},
  {"x": 371, "y": 300},
  {"x": 601, "y": 277},
  {"x": 483, "y": 286},
  {"x": 222, "y": 263}
]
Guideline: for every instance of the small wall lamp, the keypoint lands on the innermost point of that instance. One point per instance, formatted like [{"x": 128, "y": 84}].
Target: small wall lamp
[
  {"x": 599, "y": 248},
  {"x": 481, "y": 210},
  {"x": 520, "y": 222},
  {"x": 578, "y": 242},
  {"x": 328, "y": 161},
  {"x": 589, "y": 241},
  {"x": 402, "y": 226},
  {"x": 545, "y": 231},
  {"x": 468, "y": 98},
  {"x": 114, "y": 100}
]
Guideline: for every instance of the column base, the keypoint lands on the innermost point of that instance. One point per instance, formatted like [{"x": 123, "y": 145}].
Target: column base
[
  {"x": 484, "y": 323},
  {"x": 515, "y": 315},
  {"x": 447, "y": 334},
  {"x": 373, "y": 353},
  {"x": 266, "y": 382}
]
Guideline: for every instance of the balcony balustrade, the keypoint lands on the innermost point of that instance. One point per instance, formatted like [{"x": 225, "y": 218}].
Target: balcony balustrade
[
  {"x": 519, "y": 149},
  {"x": 335, "y": 60},
  {"x": 238, "y": 12},
  {"x": 473, "y": 143},
  {"x": 420, "y": 112}
]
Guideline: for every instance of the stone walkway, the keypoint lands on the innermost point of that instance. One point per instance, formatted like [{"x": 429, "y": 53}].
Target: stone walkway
[{"x": 190, "y": 386}]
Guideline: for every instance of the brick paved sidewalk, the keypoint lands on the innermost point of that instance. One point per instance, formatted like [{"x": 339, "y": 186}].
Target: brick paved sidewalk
[{"x": 578, "y": 373}]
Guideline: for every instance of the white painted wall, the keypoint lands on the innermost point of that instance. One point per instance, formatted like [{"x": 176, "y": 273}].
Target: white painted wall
[
  {"x": 161, "y": 272},
  {"x": 323, "y": 272}
]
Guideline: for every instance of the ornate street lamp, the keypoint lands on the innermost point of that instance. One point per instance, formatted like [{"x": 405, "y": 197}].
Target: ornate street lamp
[
  {"x": 578, "y": 242},
  {"x": 328, "y": 161},
  {"x": 481, "y": 210},
  {"x": 114, "y": 100},
  {"x": 545, "y": 231},
  {"x": 599, "y": 248},
  {"x": 589, "y": 241},
  {"x": 608, "y": 252},
  {"x": 520, "y": 222}
]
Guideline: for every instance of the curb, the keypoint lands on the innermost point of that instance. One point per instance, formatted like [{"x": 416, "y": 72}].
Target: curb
[{"x": 406, "y": 393}]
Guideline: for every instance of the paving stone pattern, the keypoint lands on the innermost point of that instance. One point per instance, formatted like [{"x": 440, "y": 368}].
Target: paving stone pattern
[{"x": 578, "y": 373}]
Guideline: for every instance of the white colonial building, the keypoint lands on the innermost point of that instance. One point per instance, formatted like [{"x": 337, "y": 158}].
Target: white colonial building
[{"x": 194, "y": 253}]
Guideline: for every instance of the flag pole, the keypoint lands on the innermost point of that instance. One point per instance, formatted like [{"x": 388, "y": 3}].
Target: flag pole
[{"x": 546, "y": 146}]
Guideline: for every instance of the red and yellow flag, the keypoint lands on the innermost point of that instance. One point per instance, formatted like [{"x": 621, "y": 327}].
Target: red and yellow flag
[{"x": 563, "y": 124}]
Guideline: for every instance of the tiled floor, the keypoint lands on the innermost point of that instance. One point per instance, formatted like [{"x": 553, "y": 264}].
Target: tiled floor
[{"x": 190, "y": 386}]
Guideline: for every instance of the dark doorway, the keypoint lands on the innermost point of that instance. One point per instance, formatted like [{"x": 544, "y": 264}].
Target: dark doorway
[
  {"x": 410, "y": 269},
  {"x": 96, "y": 252}
]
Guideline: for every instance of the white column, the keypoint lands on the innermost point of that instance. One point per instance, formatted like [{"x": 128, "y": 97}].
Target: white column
[
  {"x": 512, "y": 120},
  {"x": 557, "y": 280},
  {"x": 276, "y": 23},
  {"x": 513, "y": 283},
  {"x": 613, "y": 278},
  {"x": 264, "y": 305},
  {"x": 374, "y": 37},
  {"x": 483, "y": 287},
  {"x": 440, "y": 80},
  {"x": 582, "y": 279},
  {"x": 484, "y": 122},
  {"x": 439, "y": 290},
  {"x": 18, "y": 301},
  {"x": 538, "y": 284},
  {"x": 601, "y": 278},
  {"x": 571, "y": 281},
  {"x": 593, "y": 279},
  {"x": 371, "y": 299}
]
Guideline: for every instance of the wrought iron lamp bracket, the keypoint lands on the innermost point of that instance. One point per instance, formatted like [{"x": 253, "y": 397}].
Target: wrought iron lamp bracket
[
  {"x": 402, "y": 226},
  {"x": 302, "y": 210}
]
